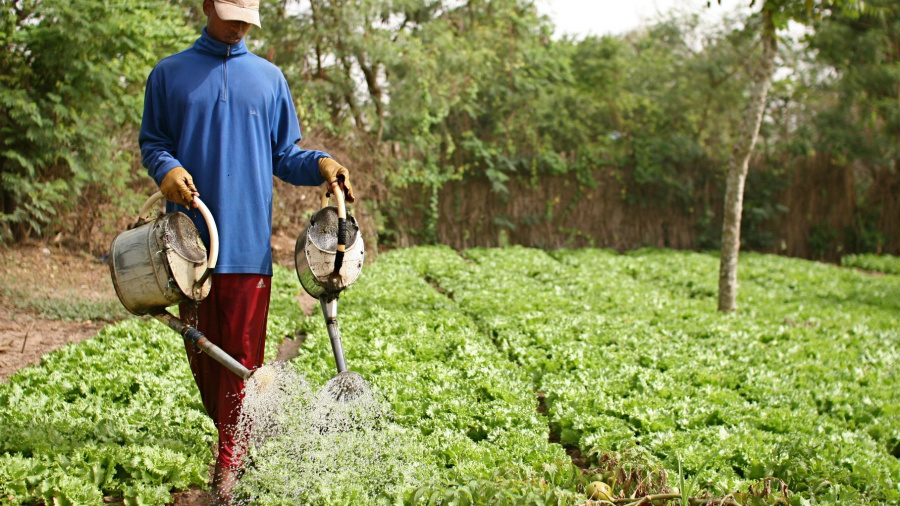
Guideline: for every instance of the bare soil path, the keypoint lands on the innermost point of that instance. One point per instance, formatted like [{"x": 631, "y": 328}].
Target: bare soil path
[{"x": 50, "y": 297}]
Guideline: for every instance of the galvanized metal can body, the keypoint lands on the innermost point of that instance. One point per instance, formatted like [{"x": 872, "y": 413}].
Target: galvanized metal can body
[
  {"x": 149, "y": 267},
  {"x": 315, "y": 250}
]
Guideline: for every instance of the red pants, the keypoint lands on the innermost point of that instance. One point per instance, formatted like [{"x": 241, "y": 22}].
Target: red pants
[{"x": 233, "y": 317}]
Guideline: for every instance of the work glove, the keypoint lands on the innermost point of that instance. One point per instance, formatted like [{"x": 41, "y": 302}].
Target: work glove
[
  {"x": 178, "y": 186},
  {"x": 333, "y": 171}
]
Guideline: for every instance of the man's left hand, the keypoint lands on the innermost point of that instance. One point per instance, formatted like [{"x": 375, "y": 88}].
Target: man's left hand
[{"x": 333, "y": 171}]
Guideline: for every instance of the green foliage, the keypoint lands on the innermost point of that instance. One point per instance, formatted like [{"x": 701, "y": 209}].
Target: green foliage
[
  {"x": 71, "y": 308},
  {"x": 887, "y": 264},
  {"x": 822, "y": 237},
  {"x": 479, "y": 91},
  {"x": 676, "y": 106},
  {"x": 483, "y": 93},
  {"x": 862, "y": 121},
  {"x": 284, "y": 311},
  {"x": 435, "y": 91},
  {"x": 761, "y": 207},
  {"x": 794, "y": 398},
  {"x": 554, "y": 485},
  {"x": 71, "y": 73},
  {"x": 115, "y": 415},
  {"x": 629, "y": 352},
  {"x": 861, "y": 118}
]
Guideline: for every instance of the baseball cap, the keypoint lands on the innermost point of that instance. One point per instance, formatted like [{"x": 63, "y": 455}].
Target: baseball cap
[{"x": 238, "y": 10}]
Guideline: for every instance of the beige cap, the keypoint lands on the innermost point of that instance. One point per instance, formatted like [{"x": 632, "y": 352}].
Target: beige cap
[{"x": 239, "y": 10}]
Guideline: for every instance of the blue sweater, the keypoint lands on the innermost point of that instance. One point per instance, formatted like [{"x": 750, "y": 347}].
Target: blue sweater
[{"x": 227, "y": 116}]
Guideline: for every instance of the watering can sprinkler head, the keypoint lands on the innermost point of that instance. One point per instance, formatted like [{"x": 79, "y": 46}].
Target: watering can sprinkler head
[
  {"x": 264, "y": 378},
  {"x": 346, "y": 386}
]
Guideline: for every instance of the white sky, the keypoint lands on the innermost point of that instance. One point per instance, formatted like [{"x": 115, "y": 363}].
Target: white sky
[{"x": 602, "y": 17}]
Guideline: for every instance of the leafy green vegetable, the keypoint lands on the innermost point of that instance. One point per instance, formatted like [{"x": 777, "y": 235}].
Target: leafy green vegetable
[
  {"x": 887, "y": 264},
  {"x": 795, "y": 397}
]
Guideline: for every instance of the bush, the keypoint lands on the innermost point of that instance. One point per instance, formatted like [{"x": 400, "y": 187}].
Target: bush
[{"x": 71, "y": 79}]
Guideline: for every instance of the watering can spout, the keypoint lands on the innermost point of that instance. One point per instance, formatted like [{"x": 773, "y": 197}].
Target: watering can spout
[
  {"x": 197, "y": 338},
  {"x": 329, "y": 311}
]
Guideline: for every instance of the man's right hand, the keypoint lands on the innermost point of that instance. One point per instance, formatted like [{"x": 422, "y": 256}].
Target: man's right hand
[
  {"x": 178, "y": 186},
  {"x": 332, "y": 171}
]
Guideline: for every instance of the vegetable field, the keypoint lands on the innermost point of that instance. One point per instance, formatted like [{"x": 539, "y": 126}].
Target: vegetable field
[{"x": 496, "y": 367}]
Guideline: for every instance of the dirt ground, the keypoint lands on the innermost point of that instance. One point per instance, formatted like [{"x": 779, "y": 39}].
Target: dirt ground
[
  {"x": 39, "y": 281},
  {"x": 50, "y": 297},
  {"x": 36, "y": 275}
]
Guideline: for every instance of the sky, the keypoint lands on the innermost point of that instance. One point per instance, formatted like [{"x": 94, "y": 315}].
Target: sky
[{"x": 602, "y": 17}]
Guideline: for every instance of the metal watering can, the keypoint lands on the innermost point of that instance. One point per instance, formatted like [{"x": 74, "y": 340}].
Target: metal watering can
[
  {"x": 329, "y": 257},
  {"x": 161, "y": 262}
]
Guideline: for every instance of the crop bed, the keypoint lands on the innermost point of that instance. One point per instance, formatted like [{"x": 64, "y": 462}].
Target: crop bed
[
  {"x": 887, "y": 264},
  {"x": 494, "y": 363}
]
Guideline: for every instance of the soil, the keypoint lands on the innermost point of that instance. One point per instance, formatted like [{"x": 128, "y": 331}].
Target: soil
[
  {"x": 36, "y": 277},
  {"x": 55, "y": 276}
]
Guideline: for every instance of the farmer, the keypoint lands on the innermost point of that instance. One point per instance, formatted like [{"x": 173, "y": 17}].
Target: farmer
[{"x": 219, "y": 122}]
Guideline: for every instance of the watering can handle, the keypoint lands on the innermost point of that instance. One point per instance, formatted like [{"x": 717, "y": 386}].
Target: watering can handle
[
  {"x": 210, "y": 224},
  {"x": 338, "y": 197},
  {"x": 342, "y": 223}
]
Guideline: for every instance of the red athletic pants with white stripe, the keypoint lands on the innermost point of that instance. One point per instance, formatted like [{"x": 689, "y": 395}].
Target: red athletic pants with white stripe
[{"x": 233, "y": 317}]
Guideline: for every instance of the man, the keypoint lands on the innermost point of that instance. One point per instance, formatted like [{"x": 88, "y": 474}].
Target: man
[{"x": 219, "y": 122}]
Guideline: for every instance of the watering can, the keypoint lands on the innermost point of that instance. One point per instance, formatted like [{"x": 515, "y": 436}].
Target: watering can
[
  {"x": 161, "y": 262},
  {"x": 329, "y": 257}
]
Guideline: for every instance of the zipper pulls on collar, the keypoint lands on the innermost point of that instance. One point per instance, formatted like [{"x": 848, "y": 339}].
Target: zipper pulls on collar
[{"x": 225, "y": 74}]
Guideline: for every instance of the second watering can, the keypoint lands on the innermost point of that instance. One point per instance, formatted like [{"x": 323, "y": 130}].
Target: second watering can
[
  {"x": 329, "y": 254},
  {"x": 329, "y": 257},
  {"x": 162, "y": 262}
]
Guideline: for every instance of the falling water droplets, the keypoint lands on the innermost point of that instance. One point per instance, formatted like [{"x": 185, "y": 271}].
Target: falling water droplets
[{"x": 303, "y": 446}]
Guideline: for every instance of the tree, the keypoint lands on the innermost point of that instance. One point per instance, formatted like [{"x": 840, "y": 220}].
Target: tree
[
  {"x": 773, "y": 15},
  {"x": 71, "y": 76},
  {"x": 740, "y": 161},
  {"x": 454, "y": 86},
  {"x": 862, "y": 121}
]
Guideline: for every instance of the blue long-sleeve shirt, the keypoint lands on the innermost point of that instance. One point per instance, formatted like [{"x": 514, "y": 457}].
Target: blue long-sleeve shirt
[{"x": 227, "y": 117}]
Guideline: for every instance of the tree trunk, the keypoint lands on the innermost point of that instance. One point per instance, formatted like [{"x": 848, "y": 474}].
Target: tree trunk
[{"x": 739, "y": 163}]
